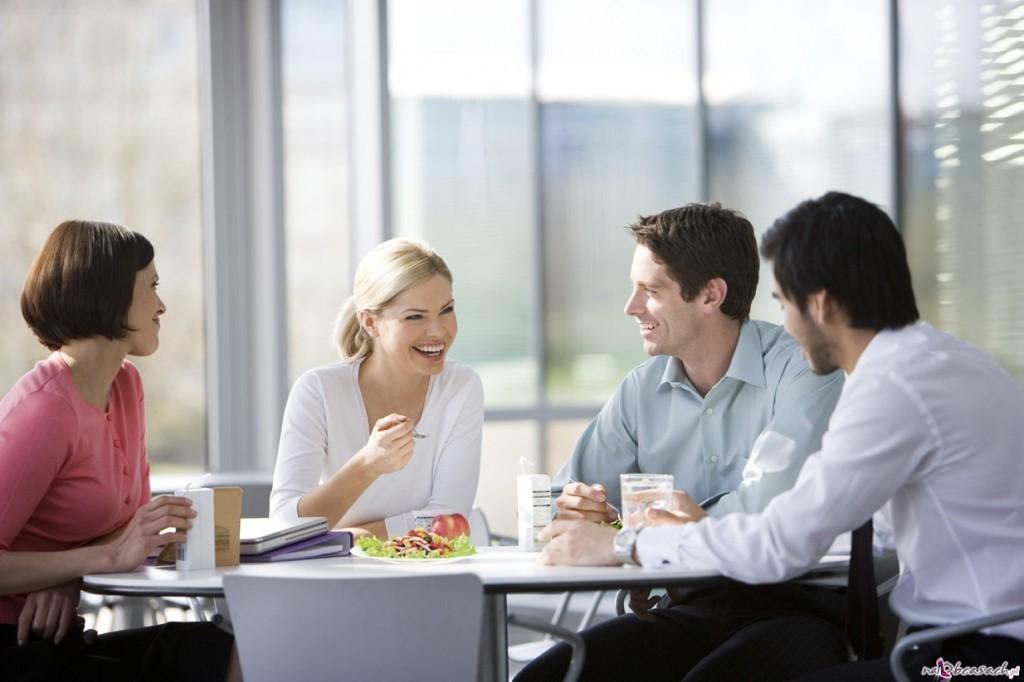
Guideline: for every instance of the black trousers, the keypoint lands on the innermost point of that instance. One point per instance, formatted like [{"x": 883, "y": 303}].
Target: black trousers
[
  {"x": 731, "y": 632},
  {"x": 171, "y": 652},
  {"x": 969, "y": 650}
]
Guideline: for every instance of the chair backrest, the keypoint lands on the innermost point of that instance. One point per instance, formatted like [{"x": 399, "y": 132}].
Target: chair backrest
[
  {"x": 479, "y": 529},
  {"x": 356, "y": 628}
]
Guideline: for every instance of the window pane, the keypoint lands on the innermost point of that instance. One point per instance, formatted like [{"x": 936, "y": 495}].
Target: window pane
[
  {"x": 962, "y": 76},
  {"x": 99, "y": 120},
  {"x": 798, "y": 95},
  {"x": 560, "y": 439},
  {"x": 618, "y": 139},
  {"x": 505, "y": 444},
  {"x": 462, "y": 173},
  {"x": 316, "y": 177}
]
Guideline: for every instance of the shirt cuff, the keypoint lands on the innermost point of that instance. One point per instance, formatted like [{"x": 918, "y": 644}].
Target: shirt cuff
[{"x": 659, "y": 545}]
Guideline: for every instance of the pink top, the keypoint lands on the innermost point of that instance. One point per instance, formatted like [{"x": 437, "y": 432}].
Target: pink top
[{"x": 69, "y": 473}]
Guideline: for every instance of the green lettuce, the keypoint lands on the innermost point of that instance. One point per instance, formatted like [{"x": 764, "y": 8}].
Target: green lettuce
[{"x": 461, "y": 546}]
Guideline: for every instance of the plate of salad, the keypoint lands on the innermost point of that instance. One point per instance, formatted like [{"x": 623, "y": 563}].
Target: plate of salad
[{"x": 416, "y": 546}]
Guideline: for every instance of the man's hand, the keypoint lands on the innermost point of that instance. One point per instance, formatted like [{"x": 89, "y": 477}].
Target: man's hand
[
  {"x": 684, "y": 510},
  {"x": 582, "y": 501},
  {"x": 641, "y": 602},
  {"x": 578, "y": 543},
  {"x": 49, "y": 613}
]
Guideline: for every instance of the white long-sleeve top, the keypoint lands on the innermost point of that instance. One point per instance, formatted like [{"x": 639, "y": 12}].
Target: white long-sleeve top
[
  {"x": 929, "y": 432},
  {"x": 325, "y": 424}
]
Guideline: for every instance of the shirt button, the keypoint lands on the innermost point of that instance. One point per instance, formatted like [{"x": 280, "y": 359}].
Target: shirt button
[
  {"x": 127, "y": 500},
  {"x": 110, "y": 418},
  {"x": 125, "y": 469},
  {"x": 117, "y": 443},
  {"x": 709, "y": 412},
  {"x": 714, "y": 458}
]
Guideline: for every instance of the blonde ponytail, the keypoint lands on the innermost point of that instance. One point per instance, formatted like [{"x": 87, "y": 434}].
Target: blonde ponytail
[{"x": 350, "y": 338}]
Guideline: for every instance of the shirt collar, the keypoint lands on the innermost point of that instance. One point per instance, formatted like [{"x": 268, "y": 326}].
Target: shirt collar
[
  {"x": 747, "y": 362},
  {"x": 885, "y": 341},
  {"x": 748, "y": 359},
  {"x": 674, "y": 374}
]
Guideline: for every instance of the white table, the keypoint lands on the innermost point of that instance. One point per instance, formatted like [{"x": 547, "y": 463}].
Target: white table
[{"x": 502, "y": 570}]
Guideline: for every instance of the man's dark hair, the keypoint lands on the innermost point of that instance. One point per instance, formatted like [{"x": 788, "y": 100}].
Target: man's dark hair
[
  {"x": 82, "y": 282},
  {"x": 699, "y": 242},
  {"x": 850, "y": 248}
]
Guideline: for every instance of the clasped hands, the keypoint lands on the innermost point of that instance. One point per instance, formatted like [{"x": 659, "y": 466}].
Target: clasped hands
[{"x": 581, "y": 536}]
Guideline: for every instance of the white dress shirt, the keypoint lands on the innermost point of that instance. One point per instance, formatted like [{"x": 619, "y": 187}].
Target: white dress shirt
[
  {"x": 929, "y": 432},
  {"x": 325, "y": 424}
]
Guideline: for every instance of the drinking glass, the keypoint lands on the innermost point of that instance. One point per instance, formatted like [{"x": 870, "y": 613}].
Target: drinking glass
[{"x": 640, "y": 491}]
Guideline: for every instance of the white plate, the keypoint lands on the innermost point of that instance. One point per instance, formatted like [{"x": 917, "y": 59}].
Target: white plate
[{"x": 356, "y": 551}]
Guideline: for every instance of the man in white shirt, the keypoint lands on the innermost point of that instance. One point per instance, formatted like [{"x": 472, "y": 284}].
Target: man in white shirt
[{"x": 926, "y": 437}]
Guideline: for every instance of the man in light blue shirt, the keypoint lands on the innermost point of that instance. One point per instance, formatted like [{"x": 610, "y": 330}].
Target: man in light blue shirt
[{"x": 728, "y": 406}]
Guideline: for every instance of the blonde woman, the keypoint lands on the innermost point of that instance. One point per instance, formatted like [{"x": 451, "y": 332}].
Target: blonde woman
[{"x": 390, "y": 435}]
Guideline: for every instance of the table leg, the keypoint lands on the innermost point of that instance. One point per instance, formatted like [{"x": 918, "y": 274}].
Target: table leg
[{"x": 494, "y": 640}]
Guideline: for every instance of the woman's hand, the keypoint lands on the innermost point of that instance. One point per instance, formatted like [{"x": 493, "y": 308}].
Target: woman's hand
[
  {"x": 142, "y": 538},
  {"x": 49, "y": 613},
  {"x": 684, "y": 510},
  {"x": 389, "y": 446}
]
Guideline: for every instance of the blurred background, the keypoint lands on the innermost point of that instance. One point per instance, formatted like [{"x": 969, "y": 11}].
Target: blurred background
[{"x": 264, "y": 146}]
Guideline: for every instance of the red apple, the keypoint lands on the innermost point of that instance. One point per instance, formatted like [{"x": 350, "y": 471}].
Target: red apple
[{"x": 450, "y": 526}]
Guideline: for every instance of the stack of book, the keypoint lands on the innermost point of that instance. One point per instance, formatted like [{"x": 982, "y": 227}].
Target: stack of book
[{"x": 265, "y": 540}]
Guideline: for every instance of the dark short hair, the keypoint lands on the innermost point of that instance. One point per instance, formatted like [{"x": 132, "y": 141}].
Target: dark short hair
[
  {"x": 81, "y": 284},
  {"x": 699, "y": 242},
  {"x": 850, "y": 248}
]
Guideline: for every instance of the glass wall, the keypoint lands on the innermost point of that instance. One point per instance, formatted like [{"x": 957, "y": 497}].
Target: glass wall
[
  {"x": 799, "y": 103},
  {"x": 462, "y": 173},
  {"x": 962, "y": 73},
  {"x": 99, "y": 120},
  {"x": 617, "y": 87},
  {"x": 315, "y": 112}
]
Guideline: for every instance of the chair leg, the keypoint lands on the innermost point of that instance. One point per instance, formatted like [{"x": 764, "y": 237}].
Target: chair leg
[
  {"x": 591, "y": 610},
  {"x": 579, "y": 647}
]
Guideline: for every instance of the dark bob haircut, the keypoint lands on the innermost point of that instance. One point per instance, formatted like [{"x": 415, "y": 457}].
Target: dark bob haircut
[
  {"x": 82, "y": 282},
  {"x": 850, "y": 248},
  {"x": 699, "y": 242}
]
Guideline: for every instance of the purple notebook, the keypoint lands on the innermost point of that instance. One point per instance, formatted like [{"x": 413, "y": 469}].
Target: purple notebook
[{"x": 332, "y": 543}]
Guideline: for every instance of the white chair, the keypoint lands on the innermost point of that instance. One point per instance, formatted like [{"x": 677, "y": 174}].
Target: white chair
[
  {"x": 347, "y": 628},
  {"x": 479, "y": 529}
]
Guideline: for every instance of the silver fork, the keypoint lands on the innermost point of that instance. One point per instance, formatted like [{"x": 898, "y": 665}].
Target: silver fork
[{"x": 417, "y": 434}]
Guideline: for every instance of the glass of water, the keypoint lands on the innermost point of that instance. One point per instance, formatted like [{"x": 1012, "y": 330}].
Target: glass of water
[{"x": 640, "y": 491}]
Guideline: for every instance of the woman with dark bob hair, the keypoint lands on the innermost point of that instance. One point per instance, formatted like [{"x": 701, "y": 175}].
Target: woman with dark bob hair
[{"x": 74, "y": 477}]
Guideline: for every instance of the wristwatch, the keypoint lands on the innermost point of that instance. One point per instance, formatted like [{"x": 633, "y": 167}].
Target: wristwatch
[{"x": 624, "y": 544}]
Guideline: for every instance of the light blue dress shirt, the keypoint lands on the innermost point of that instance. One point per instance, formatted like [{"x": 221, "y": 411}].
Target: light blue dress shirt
[{"x": 745, "y": 441}]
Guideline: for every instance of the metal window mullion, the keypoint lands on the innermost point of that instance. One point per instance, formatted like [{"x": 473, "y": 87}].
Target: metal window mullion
[
  {"x": 896, "y": 114},
  {"x": 243, "y": 228},
  {"x": 539, "y": 307},
  {"x": 702, "y": 132},
  {"x": 369, "y": 127}
]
